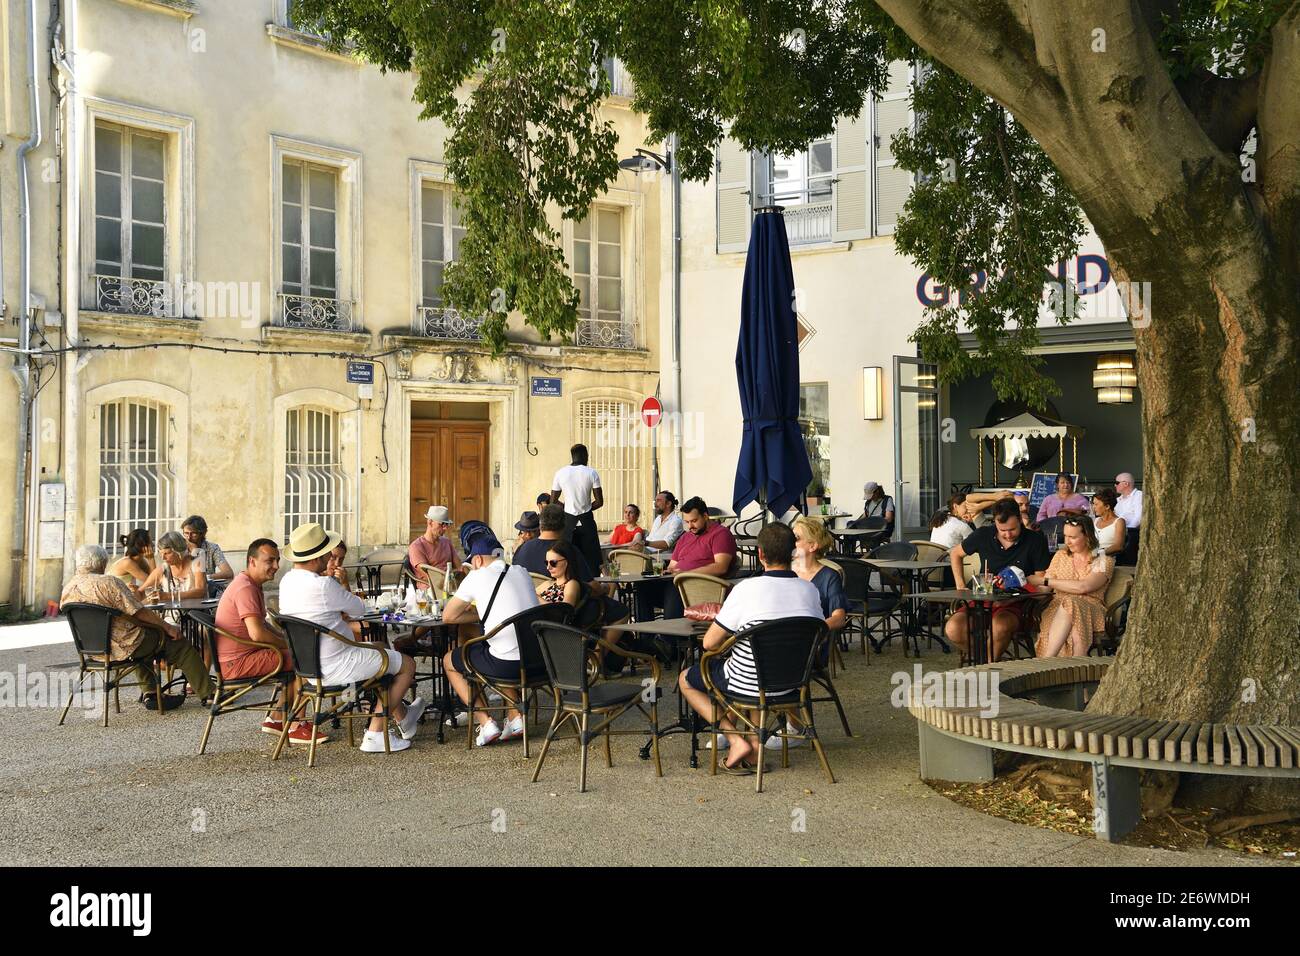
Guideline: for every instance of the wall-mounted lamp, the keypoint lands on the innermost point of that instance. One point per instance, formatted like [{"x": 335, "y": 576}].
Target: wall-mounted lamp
[{"x": 873, "y": 393}]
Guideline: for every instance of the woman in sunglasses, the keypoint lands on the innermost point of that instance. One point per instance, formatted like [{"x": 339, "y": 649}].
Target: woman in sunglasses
[
  {"x": 1077, "y": 576},
  {"x": 592, "y": 610}
]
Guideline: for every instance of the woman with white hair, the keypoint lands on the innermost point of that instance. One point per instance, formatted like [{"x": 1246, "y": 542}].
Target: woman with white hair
[
  {"x": 179, "y": 574},
  {"x": 137, "y": 634}
]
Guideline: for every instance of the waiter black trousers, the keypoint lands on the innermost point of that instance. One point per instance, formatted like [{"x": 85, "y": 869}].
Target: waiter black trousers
[{"x": 580, "y": 531}]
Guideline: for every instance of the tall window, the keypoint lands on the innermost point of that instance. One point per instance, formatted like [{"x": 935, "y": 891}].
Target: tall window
[
  {"x": 598, "y": 274},
  {"x": 440, "y": 235},
  {"x": 315, "y": 484},
  {"x": 815, "y": 424},
  {"x": 130, "y": 219},
  {"x": 136, "y": 484},
  {"x": 309, "y": 231},
  {"x": 610, "y": 430}
]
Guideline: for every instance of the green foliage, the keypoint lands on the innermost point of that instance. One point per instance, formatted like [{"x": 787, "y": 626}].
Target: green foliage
[{"x": 518, "y": 86}]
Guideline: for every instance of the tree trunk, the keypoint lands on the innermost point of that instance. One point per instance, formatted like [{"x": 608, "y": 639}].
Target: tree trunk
[{"x": 1213, "y": 632}]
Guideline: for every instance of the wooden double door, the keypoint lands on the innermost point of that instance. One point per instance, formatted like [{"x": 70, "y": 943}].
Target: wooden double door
[{"x": 449, "y": 466}]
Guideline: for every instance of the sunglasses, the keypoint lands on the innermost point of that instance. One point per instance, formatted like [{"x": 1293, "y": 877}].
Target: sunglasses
[
  {"x": 556, "y": 563},
  {"x": 1075, "y": 520}
]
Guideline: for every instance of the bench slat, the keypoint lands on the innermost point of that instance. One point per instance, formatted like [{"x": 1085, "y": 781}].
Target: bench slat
[
  {"x": 1203, "y": 743},
  {"x": 1111, "y": 738},
  {"x": 1292, "y": 736},
  {"x": 1095, "y": 739},
  {"x": 1133, "y": 742},
  {"x": 1285, "y": 749},
  {"x": 1155, "y": 743},
  {"x": 1262, "y": 749}
]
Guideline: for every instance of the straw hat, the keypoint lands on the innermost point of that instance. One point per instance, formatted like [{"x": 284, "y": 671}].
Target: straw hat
[{"x": 310, "y": 541}]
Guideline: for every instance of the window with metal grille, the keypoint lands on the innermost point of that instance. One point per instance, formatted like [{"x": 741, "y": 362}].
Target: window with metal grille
[
  {"x": 136, "y": 484},
  {"x": 615, "y": 440},
  {"x": 315, "y": 484}
]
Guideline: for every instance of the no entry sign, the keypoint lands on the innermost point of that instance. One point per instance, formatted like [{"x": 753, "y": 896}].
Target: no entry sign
[{"x": 651, "y": 412}]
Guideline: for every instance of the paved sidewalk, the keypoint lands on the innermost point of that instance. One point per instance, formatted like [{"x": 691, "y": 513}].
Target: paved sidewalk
[{"x": 138, "y": 793}]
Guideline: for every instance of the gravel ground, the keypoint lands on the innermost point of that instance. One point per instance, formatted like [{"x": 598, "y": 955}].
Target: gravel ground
[{"x": 138, "y": 793}]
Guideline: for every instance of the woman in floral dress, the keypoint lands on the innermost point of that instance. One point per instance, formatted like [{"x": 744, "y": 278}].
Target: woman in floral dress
[{"x": 1077, "y": 576}]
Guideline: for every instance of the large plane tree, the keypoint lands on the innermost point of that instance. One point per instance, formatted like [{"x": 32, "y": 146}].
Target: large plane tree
[{"x": 1173, "y": 127}]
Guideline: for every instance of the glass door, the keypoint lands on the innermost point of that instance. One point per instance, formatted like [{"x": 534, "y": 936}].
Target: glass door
[{"x": 916, "y": 446}]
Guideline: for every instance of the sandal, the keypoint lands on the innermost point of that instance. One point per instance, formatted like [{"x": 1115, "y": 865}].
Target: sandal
[{"x": 738, "y": 769}]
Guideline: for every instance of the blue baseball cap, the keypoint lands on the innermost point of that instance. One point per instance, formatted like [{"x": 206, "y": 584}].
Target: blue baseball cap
[{"x": 477, "y": 538}]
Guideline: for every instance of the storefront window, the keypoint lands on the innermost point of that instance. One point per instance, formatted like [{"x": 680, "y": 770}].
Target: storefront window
[{"x": 815, "y": 424}]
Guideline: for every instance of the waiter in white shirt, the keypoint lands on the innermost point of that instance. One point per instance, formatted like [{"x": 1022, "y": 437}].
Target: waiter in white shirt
[
  {"x": 577, "y": 487},
  {"x": 1128, "y": 507}
]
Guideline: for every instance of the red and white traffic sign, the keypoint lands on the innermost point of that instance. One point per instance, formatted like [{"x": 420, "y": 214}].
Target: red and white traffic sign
[{"x": 651, "y": 412}]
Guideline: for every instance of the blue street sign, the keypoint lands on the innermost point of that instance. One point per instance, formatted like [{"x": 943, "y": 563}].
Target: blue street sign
[
  {"x": 361, "y": 373},
  {"x": 548, "y": 387}
]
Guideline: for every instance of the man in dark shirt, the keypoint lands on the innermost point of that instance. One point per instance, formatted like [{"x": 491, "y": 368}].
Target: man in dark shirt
[
  {"x": 1004, "y": 544},
  {"x": 532, "y": 554}
]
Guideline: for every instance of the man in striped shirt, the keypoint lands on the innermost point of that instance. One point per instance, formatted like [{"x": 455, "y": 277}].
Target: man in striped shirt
[{"x": 777, "y": 593}]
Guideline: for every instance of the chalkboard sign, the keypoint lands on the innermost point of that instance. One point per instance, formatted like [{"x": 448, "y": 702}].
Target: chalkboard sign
[{"x": 1044, "y": 484}]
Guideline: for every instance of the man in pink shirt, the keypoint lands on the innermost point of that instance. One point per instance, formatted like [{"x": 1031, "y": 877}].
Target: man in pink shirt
[
  {"x": 434, "y": 547},
  {"x": 242, "y": 612},
  {"x": 706, "y": 548}
]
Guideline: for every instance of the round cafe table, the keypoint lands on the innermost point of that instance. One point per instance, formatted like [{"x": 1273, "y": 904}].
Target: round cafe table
[
  {"x": 979, "y": 615},
  {"x": 914, "y": 572}
]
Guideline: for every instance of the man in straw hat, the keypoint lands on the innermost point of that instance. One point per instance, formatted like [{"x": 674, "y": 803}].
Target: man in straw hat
[
  {"x": 434, "y": 548},
  {"x": 309, "y": 593}
]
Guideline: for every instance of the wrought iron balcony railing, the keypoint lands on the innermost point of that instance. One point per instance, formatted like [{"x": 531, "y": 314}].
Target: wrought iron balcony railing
[
  {"x": 435, "y": 322},
  {"x": 810, "y": 222},
  {"x": 314, "y": 312},
  {"x": 123, "y": 296},
  {"x": 604, "y": 334}
]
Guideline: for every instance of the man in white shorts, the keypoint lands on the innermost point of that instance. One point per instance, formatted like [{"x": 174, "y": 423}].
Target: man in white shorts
[
  {"x": 309, "y": 593},
  {"x": 491, "y": 593}
]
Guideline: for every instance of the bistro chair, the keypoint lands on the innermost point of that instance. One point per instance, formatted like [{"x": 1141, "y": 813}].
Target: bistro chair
[
  {"x": 785, "y": 653},
  {"x": 748, "y": 527},
  {"x": 92, "y": 626},
  {"x": 436, "y": 577},
  {"x": 893, "y": 584},
  {"x": 631, "y": 562},
  {"x": 1118, "y": 597},
  {"x": 532, "y": 668},
  {"x": 567, "y": 653},
  {"x": 540, "y": 578},
  {"x": 387, "y": 575},
  {"x": 231, "y": 690},
  {"x": 695, "y": 588},
  {"x": 327, "y": 702}
]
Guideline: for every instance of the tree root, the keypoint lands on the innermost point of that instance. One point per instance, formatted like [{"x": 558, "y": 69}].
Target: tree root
[{"x": 1233, "y": 824}]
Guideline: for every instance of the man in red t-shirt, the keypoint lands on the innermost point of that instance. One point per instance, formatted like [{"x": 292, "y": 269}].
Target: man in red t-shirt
[
  {"x": 242, "y": 612},
  {"x": 706, "y": 548}
]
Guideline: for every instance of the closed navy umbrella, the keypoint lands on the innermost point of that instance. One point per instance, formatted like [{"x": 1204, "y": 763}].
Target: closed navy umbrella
[{"x": 773, "y": 467}]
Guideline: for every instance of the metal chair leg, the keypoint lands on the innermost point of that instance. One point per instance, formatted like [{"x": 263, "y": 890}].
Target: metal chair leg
[
  {"x": 556, "y": 721},
  {"x": 609, "y": 759},
  {"x": 817, "y": 744},
  {"x": 654, "y": 735},
  {"x": 582, "y": 738},
  {"x": 758, "y": 739},
  {"x": 72, "y": 696}
]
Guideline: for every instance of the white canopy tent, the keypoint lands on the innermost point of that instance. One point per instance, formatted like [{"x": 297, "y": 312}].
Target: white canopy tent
[{"x": 1023, "y": 427}]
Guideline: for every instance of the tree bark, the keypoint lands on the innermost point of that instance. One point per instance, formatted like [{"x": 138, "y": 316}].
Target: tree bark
[{"x": 1213, "y": 632}]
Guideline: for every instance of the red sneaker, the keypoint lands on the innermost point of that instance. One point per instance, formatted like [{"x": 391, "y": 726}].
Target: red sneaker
[
  {"x": 301, "y": 735},
  {"x": 272, "y": 727}
]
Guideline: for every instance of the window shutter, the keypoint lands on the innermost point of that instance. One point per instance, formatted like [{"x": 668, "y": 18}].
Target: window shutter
[
  {"x": 893, "y": 184},
  {"x": 850, "y": 199},
  {"x": 733, "y": 170}
]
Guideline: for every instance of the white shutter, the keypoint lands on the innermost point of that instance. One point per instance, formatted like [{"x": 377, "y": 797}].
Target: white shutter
[
  {"x": 733, "y": 169},
  {"x": 891, "y": 114},
  {"x": 851, "y": 194}
]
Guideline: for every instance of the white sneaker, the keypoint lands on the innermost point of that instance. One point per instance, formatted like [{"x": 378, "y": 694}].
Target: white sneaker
[
  {"x": 373, "y": 742},
  {"x": 487, "y": 733},
  {"x": 459, "y": 719},
  {"x": 796, "y": 740},
  {"x": 514, "y": 728},
  {"x": 719, "y": 740},
  {"x": 409, "y": 724}
]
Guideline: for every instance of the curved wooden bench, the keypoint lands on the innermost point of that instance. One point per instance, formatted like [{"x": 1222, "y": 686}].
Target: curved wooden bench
[{"x": 1039, "y": 711}]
